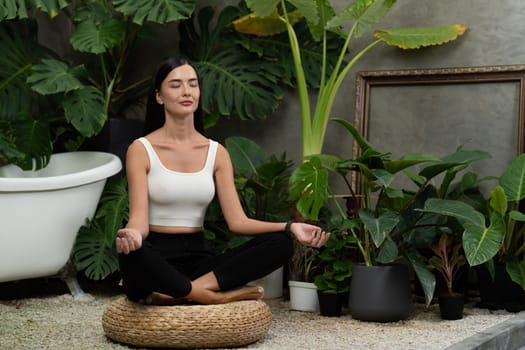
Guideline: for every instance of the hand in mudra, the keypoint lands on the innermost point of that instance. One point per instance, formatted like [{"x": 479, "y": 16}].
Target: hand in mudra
[
  {"x": 309, "y": 235},
  {"x": 128, "y": 240}
]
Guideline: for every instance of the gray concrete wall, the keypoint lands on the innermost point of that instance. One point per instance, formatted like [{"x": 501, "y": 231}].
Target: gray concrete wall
[{"x": 496, "y": 29}]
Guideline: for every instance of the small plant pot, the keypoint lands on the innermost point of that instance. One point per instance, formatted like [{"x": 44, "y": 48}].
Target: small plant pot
[
  {"x": 451, "y": 306},
  {"x": 330, "y": 304},
  {"x": 303, "y": 296}
]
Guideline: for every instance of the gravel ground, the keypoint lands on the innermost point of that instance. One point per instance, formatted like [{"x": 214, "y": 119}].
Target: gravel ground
[{"x": 60, "y": 322}]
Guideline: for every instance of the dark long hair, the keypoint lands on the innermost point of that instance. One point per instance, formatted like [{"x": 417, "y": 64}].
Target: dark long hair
[{"x": 154, "y": 111}]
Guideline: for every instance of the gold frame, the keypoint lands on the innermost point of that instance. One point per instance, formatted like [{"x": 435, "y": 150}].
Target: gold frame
[{"x": 366, "y": 80}]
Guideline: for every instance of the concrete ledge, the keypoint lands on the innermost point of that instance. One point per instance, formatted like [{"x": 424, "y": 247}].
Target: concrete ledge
[{"x": 507, "y": 335}]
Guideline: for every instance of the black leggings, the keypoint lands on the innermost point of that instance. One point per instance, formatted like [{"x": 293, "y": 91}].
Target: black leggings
[{"x": 167, "y": 263}]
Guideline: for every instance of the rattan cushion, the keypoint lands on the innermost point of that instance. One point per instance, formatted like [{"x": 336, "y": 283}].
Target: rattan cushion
[{"x": 187, "y": 326}]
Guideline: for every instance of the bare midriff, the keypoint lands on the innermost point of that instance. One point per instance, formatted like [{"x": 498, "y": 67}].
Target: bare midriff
[{"x": 175, "y": 230}]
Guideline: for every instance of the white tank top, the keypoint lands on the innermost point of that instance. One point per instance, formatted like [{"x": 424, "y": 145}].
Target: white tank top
[{"x": 179, "y": 199}]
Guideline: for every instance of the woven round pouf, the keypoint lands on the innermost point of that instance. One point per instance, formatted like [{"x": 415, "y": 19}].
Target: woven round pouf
[{"x": 187, "y": 326}]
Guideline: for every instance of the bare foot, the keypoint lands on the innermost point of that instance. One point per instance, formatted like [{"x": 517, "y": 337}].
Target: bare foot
[
  {"x": 161, "y": 299},
  {"x": 242, "y": 293}
]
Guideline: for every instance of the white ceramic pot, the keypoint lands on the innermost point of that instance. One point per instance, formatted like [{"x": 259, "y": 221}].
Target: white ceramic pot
[{"x": 303, "y": 296}]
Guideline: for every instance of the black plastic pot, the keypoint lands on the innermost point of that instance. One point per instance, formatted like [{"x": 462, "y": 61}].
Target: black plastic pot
[
  {"x": 500, "y": 293},
  {"x": 331, "y": 304},
  {"x": 380, "y": 293},
  {"x": 451, "y": 306}
]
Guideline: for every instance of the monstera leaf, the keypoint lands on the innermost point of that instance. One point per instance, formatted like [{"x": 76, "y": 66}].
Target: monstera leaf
[
  {"x": 98, "y": 37},
  {"x": 84, "y": 109},
  {"x": 233, "y": 81},
  {"x": 162, "y": 11},
  {"x": 53, "y": 76},
  {"x": 94, "y": 249}
]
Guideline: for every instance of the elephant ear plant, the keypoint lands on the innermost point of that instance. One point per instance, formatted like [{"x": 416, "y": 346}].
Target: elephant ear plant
[
  {"x": 495, "y": 234},
  {"x": 384, "y": 220},
  {"x": 49, "y": 98}
]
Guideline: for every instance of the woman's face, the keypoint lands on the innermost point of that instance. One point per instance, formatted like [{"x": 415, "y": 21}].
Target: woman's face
[{"x": 179, "y": 92}]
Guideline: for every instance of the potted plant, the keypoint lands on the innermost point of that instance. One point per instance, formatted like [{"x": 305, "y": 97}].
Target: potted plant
[
  {"x": 493, "y": 236},
  {"x": 448, "y": 260},
  {"x": 391, "y": 229},
  {"x": 311, "y": 23},
  {"x": 336, "y": 262},
  {"x": 281, "y": 16}
]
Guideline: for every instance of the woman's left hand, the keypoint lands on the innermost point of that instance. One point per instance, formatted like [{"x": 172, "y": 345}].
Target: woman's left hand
[{"x": 309, "y": 235}]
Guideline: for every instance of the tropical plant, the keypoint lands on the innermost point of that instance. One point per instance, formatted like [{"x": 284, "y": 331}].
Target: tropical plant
[
  {"x": 495, "y": 234},
  {"x": 336, "y": 260},
  {"x": 262, "y": 184},
  {"x": 384, "y": 221},
  {"x": 234, "y": 80},
  {"x": 94, "y": 249},
  {"x": 48, "y": 99},
  {"x": 448, "y": 259},
  {"x": 280, "y": 16}
]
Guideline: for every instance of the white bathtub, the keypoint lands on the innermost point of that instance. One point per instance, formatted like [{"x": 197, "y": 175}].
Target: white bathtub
[{"x": 41, "y": 212}]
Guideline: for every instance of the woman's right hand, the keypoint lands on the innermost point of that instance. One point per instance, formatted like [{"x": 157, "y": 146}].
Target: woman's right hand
[{"x": 128, "y": 240}]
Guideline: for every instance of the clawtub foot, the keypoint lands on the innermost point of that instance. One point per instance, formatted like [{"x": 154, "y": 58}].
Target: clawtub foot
[{"x": 68, "y": 275}]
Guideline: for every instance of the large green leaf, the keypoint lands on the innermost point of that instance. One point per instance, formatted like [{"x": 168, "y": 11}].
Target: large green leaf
[
  {"x": 365, "y": 13},
  {"x": 33, "y": 139},
  {"x": 309, "y": 187},
  {"x": 263, "y": 8},
  {"x": 245, "y": 153},
  {"x": 94, "y": 248},
  {"x": 415, "y": 38},
  {"x": 516, "y": 271},
  {"x": 233, "y": 81},
  {"x": 458, "y": 209},
  {"x": 159, "y": 11},
  {"x": 97, "y": 38},
  {"x": 92, "y": 253},
  {"x": 513, "y": 179},
  {"x": 53, "y": 76},
  {"x": 10, "y": 9},
  {"x": 379, "y": 226},
  {"x": 482, "y": 243},
  {"x": 426, "y": 278},
  {"x": 84, "y": 109},
  {"x": 51, "y": 7}
]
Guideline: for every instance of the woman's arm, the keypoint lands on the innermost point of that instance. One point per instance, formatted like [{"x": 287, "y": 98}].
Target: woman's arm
[
  {"x": 236, "y": 218},
  {"x": 137, "y": 165}
]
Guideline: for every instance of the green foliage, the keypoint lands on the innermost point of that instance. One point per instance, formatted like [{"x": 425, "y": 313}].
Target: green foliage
[
  {"x": 448, "y": 259},
  {"x": 496, "y": 233},
  {"x": 234, "y": 81},
  {"x": 262, "y": 185},
  {"x": 391, "y": 224},
  {"x": 64, "y": 99},
  {"x": 94, "y": 249},
  {"x": 322, "y": 22},
  {"x": 336, "y": 258}
]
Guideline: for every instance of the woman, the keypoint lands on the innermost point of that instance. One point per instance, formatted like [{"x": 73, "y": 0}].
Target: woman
[{"x": 173, "y": 174}]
